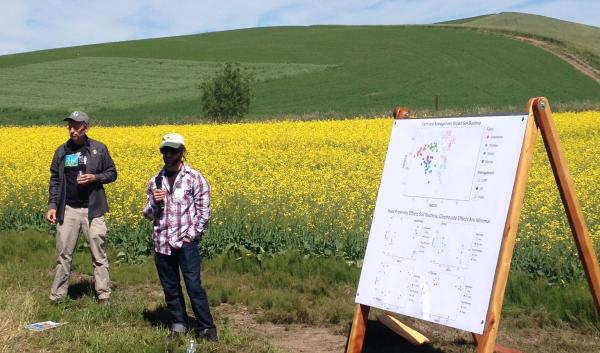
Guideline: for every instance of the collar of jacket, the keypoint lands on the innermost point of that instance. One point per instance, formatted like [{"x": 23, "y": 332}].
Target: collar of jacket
[
  {"x": 184, "y": 169},
  {"x": 86, "y": 143}
]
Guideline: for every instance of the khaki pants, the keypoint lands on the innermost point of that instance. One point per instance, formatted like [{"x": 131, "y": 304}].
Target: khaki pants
[{"x": 66, "y": 239}]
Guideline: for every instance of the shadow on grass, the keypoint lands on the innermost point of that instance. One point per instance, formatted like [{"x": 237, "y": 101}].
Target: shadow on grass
[
  {"x": 380, "y": 339},
  {"x": 160, "y": 317},
  {"x": 84, "y": 287}
]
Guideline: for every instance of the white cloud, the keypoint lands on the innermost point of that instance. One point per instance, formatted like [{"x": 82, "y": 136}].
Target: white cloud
[{"x": 32, "y": 25}]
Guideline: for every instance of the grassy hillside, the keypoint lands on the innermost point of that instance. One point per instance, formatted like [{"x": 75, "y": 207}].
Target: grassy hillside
[
  {"x": 574, "y": 36},
  {"x": 301, "y": 71}
]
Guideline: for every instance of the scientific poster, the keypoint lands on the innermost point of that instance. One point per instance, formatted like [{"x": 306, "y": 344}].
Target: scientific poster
[{"x": 439, "y": 218}]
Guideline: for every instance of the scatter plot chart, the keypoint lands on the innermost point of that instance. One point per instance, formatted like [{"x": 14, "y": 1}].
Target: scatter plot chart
[{"x": 436, "y": 159}]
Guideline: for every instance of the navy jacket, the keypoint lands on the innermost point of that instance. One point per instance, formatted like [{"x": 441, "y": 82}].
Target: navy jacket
[{"x": 100, "y": 164}]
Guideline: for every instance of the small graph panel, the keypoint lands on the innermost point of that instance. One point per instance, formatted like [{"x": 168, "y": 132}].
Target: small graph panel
[
  {"x": 434, "y": 166},
  {"x": 439, "y": 218}
]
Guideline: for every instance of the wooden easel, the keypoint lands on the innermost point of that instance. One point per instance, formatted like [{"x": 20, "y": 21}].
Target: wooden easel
[{"x": 540, "y": 117}]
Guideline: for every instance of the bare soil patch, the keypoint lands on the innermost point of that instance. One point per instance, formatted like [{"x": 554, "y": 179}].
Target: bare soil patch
[
  {"x": 296, "y": 338},
  {"x": 293, "y": 338}
]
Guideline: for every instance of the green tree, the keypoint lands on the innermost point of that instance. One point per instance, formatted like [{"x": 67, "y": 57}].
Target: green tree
[{"x": 227, "y": 96}]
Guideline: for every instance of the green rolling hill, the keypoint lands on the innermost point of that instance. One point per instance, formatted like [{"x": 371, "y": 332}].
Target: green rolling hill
[
  {"x": 582, "y": 39},
  {"x": 300, "y": 72}
]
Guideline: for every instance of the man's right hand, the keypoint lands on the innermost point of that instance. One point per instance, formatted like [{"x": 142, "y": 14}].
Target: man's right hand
[
  {"x": 51, "y": 216},
  {"x": 159, "y": 195}
]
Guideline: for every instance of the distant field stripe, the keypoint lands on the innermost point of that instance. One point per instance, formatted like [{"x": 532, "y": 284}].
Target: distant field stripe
[{"x": 95, "y": 82}]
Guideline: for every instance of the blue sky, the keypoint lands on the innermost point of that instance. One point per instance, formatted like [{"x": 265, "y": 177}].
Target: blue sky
[{"x": 27, "y": 25}]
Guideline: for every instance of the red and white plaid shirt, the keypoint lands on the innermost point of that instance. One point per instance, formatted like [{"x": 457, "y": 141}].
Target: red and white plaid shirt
[{"x": 185, "y": 211}]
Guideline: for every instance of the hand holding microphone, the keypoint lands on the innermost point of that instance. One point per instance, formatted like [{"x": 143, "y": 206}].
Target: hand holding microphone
[
  {"x": 159, "y": 193},
  {"x": 159, "y": 196}
]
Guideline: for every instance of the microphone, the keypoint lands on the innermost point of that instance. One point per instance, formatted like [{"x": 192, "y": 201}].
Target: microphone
[{"x": 158, "y": 182}]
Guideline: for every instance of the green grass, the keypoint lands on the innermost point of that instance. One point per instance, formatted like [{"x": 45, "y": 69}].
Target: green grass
[
  {"x": 284, "y": 289},
  {"x": 287, "y": 289},
  {"x": 333, "y": 71},
  {"x": 536, "y": 303}
]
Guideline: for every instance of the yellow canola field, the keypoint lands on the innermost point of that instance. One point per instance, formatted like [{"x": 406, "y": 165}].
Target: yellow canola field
[
  {"x": 313, "y": 172},
  {"x": 543, "y": 213},
  {"x": 321, "y": 176}
]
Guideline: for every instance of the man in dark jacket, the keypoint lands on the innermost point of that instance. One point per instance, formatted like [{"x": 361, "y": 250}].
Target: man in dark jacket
[{"x": 77, "y": 202}]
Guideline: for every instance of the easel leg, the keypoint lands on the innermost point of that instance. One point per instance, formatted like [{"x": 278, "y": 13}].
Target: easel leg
[
  {"x": 497, "y": 348},
  {"x": 359, "y": 327},
  {"x": 406, "y": 332}
]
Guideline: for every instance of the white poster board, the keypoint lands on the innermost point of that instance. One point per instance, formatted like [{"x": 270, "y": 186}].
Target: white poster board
[{"x": 439, "y": 218}]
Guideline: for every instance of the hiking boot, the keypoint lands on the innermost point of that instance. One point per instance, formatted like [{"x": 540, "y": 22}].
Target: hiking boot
[{"x": 208, "y": 334}]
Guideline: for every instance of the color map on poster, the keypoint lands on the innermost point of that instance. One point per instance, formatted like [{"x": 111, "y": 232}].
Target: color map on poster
[{"x": 439, "y": 218}]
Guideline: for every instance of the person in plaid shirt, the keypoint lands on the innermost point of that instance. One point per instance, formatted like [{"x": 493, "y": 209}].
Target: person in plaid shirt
[{"x": 178, "y": 202}]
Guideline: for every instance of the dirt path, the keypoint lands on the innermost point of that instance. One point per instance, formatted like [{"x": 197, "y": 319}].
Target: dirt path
[
  {"x": 293, "y": 338},
  {"x": 297, "y": 338},
  {"x": 565, "y": 55}
]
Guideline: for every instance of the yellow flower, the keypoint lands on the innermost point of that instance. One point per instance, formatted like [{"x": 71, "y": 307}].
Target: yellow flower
[{"x": 320, "y": 177}]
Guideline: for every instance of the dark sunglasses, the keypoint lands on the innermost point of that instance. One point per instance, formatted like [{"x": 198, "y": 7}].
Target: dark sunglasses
[{"x": 169, "y": 150}]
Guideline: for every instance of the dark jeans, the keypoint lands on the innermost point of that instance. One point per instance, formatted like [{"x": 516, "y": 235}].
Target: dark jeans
[{"x": 188, "y": 259}]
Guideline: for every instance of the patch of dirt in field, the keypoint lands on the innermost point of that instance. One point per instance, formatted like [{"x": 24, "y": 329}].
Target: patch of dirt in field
[
  {"x": 296, "y": 338},
  {"x": 293, "y": 338}
]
